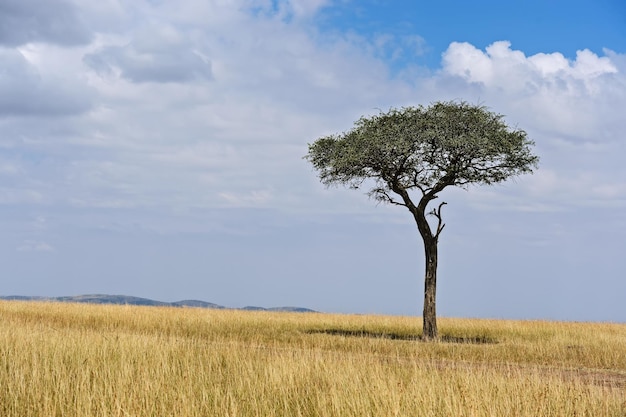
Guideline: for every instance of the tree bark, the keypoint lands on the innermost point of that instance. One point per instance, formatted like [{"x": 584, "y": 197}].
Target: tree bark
[{"x": 429, "y": 315}]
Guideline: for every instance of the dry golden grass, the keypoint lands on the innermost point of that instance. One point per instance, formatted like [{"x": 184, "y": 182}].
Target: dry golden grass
[{"x": 87, "y": 360}]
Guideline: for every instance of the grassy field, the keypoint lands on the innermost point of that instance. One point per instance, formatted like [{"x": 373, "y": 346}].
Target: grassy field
[{"x": 92, "y": 360}]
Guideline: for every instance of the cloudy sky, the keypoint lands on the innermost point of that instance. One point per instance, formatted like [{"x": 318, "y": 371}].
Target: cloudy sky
[{"x": 154, "y": 148}]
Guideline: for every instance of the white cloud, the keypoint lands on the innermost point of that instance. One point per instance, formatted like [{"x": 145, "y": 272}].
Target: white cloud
[
  {"x": 272, "y": 88},
  {"x": 35, "y": 246},
  {"x": 575, "y": 98},
  {"x": 288, "y": 9},
  {"x": 26, "y": 91},
  {"x": 499, "y": 65},
  {"x": 52, "y": 21},
  {"x": 9, "y": 168},
  {"x": 157, "y": 53},
  {"x": 20, "y": 196},
  {"x": 255, "y": 198},
  {"x": 209, "y": 104}
]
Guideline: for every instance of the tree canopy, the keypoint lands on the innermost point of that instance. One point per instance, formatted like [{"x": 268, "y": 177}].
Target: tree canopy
[{"x": 428, "y": 149}]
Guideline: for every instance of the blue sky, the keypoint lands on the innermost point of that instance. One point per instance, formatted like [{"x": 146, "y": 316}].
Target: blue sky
[
  {"x": 155, "y": 149},
  {"x": 532, "y": 26}
]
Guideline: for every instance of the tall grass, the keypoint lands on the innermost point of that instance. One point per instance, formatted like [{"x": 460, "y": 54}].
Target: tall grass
[{"x": 87, "y": 360}]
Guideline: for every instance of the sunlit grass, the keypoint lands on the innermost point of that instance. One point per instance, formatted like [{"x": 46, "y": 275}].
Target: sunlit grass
[{"x": 92, "y": 360}]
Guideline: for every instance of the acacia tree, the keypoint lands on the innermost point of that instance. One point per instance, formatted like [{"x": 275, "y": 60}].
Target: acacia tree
[{"x": 412, "y": 154}]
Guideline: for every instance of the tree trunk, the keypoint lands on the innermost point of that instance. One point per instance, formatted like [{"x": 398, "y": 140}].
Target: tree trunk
[
  {"x": 430, "y": 239},
  {"x": 430, "y": 290}
]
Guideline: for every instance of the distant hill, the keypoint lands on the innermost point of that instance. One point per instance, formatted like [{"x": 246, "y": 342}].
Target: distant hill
[
  {"x": 196, "y": 303},
  {"x": 138, "y": 301}
]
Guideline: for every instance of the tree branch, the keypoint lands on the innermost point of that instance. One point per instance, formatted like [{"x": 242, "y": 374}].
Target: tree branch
[
  {"x": 437, "y": 213},
  {"x": 381, "y": 194}
]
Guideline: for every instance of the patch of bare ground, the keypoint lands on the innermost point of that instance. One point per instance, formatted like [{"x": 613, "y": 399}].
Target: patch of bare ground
[
  {"x": 609, "y": 379},
  {"x": 599, "y": 377}
]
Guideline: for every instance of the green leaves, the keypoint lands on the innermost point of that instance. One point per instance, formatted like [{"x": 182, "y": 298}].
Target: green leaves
[{"x": 425, "y": 148}]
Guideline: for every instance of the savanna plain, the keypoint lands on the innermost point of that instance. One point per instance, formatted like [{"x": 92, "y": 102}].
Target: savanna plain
[{"x": 65, "y": 360}]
